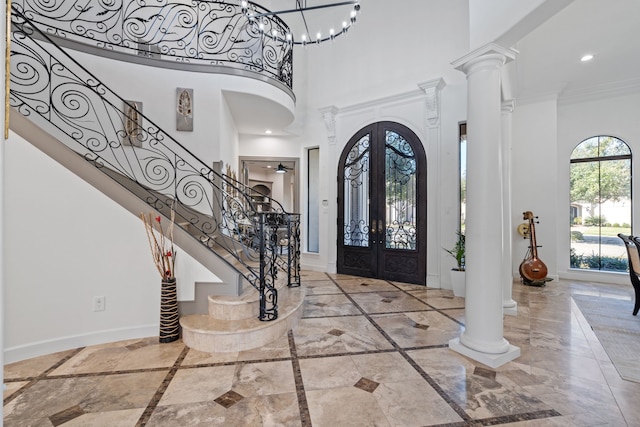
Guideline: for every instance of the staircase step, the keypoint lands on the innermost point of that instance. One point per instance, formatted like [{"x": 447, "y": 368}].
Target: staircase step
[
  {"x": 208, "y": 334},
  {"x": 245, "y": 306}
]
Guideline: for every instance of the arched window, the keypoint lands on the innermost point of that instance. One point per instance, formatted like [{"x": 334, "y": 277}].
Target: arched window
[{"x": 600, "y": 203}]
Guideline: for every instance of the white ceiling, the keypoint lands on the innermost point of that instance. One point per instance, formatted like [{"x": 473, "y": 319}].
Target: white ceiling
[
  {"x": 549, "y": 63},
  {"x": 255, "y": 114}
]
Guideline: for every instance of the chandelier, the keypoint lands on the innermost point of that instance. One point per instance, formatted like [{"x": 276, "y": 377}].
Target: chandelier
[{"x": 260, "y": 20}]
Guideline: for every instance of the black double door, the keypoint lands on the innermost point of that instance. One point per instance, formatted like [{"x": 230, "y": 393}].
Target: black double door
[{"x": 382, "y": 205}]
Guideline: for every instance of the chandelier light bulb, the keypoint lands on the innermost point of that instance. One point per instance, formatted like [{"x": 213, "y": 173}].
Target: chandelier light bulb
[{"x": 263, "y": 20}]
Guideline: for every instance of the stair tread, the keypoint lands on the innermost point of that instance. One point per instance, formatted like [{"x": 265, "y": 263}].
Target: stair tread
[
  {"x": 204, "y": 323},
  {"x": 250, "y": 294}
]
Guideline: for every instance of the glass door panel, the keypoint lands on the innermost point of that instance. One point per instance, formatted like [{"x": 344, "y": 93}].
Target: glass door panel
[
  {"x": 356, "y": 194},
  {"x": 400, "y": 186}
]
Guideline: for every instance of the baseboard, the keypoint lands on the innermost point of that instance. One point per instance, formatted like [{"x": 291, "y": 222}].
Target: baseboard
[
  {"x": 27, "y": 351},
  {"x": 313, "y": 267}
]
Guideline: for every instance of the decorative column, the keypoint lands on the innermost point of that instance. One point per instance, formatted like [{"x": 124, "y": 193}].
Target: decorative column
[
  {"x": 508, "y": 304},
  {"x": 483, "y": 339},
  {"x": 328, "y": 211},
  {"x": 432, "y": 145}
]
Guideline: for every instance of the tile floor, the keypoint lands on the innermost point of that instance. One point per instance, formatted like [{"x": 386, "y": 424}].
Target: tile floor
[{"x": 366, "y": 353}]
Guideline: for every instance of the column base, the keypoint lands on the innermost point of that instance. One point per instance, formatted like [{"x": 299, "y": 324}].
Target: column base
[
  {"x": 510, "y": 308},
  {"x": 491, "y": 360}
]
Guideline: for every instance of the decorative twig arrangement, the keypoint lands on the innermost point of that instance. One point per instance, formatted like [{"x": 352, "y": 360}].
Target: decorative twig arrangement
[{"x": 161, "y": 243}]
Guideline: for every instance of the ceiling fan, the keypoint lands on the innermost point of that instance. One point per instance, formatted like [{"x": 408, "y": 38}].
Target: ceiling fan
[{"x": 282, "y": 168}]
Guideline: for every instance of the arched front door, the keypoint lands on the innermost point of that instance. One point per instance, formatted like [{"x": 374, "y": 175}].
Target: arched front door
[{"x": 382, "y": 216}]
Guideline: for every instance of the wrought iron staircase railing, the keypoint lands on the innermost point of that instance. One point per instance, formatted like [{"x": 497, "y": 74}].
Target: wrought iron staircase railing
[
  {"x": 61, "y": 97},
  {"x": 198, "y": 32}
]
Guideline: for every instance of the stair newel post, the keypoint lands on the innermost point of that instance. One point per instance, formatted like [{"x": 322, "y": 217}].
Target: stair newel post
[
  {"x": 262, "y": 286},
  {"x": 288, "y": 219},
  {"x": 293, "y": 225}
]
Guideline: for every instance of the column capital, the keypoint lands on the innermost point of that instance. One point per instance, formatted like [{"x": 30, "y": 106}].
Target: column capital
[
  {"x": 432, "y": 89},
  {"x": 489, "y": 52},
  {"x": 329, "y": 115}
]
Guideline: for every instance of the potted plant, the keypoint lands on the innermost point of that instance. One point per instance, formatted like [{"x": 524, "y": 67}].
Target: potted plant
[{"x": 458, "y": 279}]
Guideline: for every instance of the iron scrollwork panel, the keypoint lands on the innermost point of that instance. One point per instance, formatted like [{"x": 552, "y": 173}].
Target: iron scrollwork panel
[
  {"x": 356, "y": 230},
  {"x": 401, "y": 193},
  {"x": 71, "y": 104},
  {"x": 206, "y": 32}
]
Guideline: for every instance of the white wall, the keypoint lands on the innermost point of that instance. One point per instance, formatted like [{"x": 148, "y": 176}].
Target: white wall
[
  {"x": 535, "y": 179},
  {"x": 374, "y": 64},
  {"x": 615, "y": 116},
  {"x": 215, "y": 135},
  {"x": 418, "y": 42},
  {"x": 65, "y": 243},
  {"x": 544, "y": 135},
  {"x": 3, "y": 44}
]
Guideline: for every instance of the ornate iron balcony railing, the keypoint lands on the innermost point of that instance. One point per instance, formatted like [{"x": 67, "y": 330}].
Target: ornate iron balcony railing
[
  {"x": 61, "y": 97},
  {"x": 197, "y": 32}
]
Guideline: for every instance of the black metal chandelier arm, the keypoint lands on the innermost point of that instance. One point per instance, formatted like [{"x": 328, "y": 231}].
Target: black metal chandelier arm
[
  {"x": 304, "y": 9},
  {"x": 304, "y": 18},
  {"x": 255, "y": 20}
]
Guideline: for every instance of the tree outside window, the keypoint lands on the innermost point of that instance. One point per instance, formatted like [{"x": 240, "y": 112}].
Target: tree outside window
[{"x": 600, "y": 206}]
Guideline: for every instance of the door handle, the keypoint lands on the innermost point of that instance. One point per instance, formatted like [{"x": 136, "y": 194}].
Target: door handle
[
  {"x": 380, "y": 229},
  {"x": 373, "y": 227}
]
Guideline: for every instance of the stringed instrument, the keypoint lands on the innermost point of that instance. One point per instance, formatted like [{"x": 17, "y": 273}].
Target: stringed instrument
[{"x": 532, "y": 269}]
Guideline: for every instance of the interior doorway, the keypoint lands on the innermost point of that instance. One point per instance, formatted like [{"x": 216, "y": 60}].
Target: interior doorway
[{"x": 276, "y": 177}]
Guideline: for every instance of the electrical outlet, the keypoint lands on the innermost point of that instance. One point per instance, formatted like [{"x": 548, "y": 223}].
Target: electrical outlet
[{"x": 98, "y": 303}]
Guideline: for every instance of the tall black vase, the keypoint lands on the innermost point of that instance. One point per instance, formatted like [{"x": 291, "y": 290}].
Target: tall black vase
[{"x": 169, "y": 316}]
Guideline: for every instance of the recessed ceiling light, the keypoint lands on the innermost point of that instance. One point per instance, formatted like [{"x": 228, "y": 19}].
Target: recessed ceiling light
[
  {"x": 268, "y": 131},
  {"x": 586, "y": 58}
]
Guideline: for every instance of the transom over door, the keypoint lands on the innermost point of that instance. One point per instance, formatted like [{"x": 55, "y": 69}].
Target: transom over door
[{"x": 382, "y": 205}]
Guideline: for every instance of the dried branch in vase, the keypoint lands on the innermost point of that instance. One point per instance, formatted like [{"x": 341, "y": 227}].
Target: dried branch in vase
[{"x": 161, "y": 243}]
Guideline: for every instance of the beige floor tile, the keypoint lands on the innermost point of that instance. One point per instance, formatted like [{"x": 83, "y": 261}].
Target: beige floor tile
[
  {"x": 388, "y": 302},
  {"x": 346, "y": 406},
  {"x": 390, "y": 365},
  {"x": 329, "y": 305},
  {"x": 417, "y": 329},
  {"x": 198, "y": 385},
  {"x": 329, "y": 372},
  {"x": 34, "y": 366}
]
